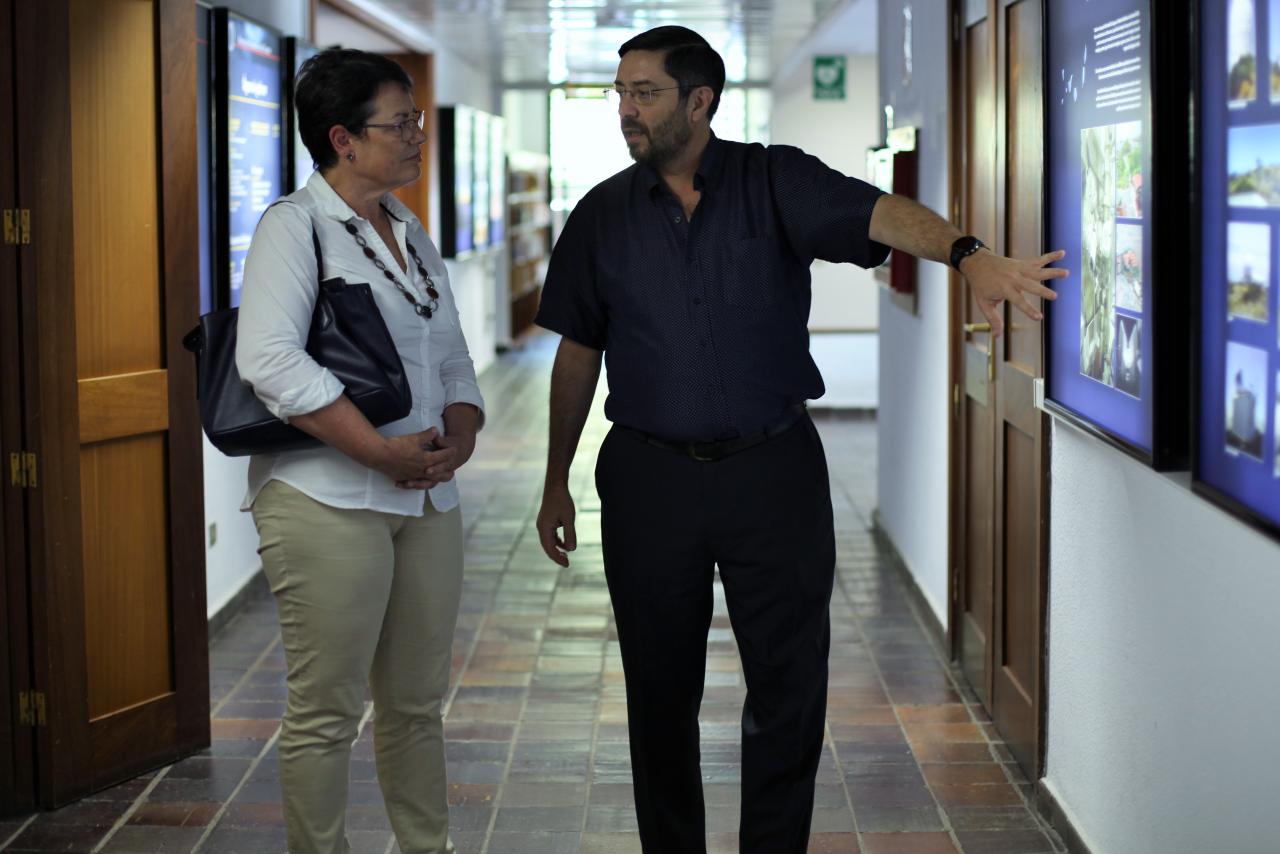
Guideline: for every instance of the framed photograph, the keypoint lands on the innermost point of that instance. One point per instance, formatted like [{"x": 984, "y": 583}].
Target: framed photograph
[
  {"x": 248, "y": 140},
  {"x": 1116, "y": 360},
  {"x": 1236, "y": 458}
]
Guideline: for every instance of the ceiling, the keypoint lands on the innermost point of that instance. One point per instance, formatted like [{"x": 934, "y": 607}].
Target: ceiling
[{"x": 536, "y": 42}]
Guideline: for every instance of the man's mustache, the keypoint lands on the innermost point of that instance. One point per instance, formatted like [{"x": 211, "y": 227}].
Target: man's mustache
[{"x": 635, "y": 126}]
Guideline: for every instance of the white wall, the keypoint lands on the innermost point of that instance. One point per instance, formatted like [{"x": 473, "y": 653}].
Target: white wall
[
  {"x": 914, "y": 395},
  {"x": 1164, "y": 651},
  {"x": 846, "y": 298}
]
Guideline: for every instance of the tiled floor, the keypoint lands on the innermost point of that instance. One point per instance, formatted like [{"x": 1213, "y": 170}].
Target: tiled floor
[{"x": 536, "y": 718}]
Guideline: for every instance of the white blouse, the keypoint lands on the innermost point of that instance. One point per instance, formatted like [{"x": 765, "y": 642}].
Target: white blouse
[{"x": 276, "y": 304}]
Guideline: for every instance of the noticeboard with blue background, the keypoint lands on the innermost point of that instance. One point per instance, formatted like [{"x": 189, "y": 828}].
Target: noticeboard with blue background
[
  {"x": 1237, "y": 451},
  {"x": 1098, "y": 115}
]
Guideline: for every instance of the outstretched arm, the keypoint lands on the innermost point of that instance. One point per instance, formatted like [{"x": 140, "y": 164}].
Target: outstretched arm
[{"x": 912, "y": 228}]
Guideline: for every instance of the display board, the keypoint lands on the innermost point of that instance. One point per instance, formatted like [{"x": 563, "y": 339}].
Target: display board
[
  {"x": 497, "y": 180},
  {"x": 1237, "y": 458},
  {"x": 248, "y": 139},
  {"x": 1115, "y": 353},
  {"x": 204, "y": 164},
  {"x": 480, "y": 180},
  {"x": 298, "y": 162},
  {"x": 1099, "y": 140}
]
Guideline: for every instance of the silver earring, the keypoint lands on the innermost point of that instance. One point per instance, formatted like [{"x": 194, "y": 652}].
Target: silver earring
[{"x": 351, "y": 156}]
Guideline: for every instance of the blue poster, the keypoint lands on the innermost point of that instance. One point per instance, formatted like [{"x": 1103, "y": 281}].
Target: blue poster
[
  {"x": 480, "y": 166},
  {"x": 204, "y": 166},
  {"x": 463, "y": 178},
  {"x": 497, "y": 180},
  {"x": 254, "y": 148},
  {"x": 1238, "y": 453},
  {"x": 303, "y": 165},
  {"x": 1098, "y": 127}
]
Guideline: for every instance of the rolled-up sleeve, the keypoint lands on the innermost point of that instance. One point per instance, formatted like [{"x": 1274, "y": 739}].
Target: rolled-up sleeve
[
  {"x": 276, "y": 305},
  {"x": 825, "y": 214},
  {"x": 457, "y": 371}
]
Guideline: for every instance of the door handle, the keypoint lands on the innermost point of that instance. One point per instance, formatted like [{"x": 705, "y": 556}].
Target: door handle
[{"x": 991, "y": 347}]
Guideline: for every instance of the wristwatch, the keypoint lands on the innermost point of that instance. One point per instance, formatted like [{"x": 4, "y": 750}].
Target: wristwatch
[{"x": 963, "y": 248}]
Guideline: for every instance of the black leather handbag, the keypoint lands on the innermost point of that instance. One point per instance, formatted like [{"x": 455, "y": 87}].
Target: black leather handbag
[{"x": 348, "y": 336}]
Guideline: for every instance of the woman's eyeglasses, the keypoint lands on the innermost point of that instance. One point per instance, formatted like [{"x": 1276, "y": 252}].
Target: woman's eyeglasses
[{"x": 408, "y": 127}]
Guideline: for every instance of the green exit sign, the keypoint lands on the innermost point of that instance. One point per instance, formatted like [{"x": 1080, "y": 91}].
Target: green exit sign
[{"x": 828, "y": 78}]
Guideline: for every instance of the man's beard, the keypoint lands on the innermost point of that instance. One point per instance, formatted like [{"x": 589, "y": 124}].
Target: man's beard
[{"x": 666, "y": 140}]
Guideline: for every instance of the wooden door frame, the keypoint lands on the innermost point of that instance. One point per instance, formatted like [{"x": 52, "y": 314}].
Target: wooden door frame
[
  {"x": 958, "y": 160},
  {"x": 71, "y": 762},
  {"x": 17, "y": 769}
]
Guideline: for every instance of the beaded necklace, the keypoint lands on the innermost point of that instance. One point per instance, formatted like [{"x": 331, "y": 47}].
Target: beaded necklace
[{"x": 423, "y": 311}]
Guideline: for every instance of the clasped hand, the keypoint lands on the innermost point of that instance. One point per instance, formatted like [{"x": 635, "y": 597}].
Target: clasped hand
[{"x": 424, "y": 460}]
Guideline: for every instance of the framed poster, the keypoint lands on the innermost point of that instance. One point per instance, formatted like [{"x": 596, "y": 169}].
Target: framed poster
[
  {"x": 204, "y": 163},
  {"x": 248, "y": 140},
  {"x": 1237, "y": 452},
  {"x": 497, "y": 180},
  {"x": 454, "y": 126},
  {"x": 298, "y": 162},
  {"x": 481, "y": 181},
  {"x": 1116, "y": 183}
]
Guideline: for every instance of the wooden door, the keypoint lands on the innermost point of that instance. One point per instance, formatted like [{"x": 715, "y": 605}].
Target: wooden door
[
  {"x": 107, "y": 154},
  {"x": 1002, "y": 456},
  {"x": 17, "y": 780}
]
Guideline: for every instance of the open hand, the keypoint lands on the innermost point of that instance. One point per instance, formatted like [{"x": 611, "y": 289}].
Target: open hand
[{"x": 994, "y": 279}]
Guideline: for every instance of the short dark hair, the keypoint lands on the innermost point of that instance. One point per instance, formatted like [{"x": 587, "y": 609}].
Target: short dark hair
[
  {"x": 687, "y": 57},
  {"x": 337, "y": 87}
]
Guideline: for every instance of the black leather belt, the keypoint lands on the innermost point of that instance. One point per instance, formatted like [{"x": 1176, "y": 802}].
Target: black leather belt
[{"x": 709, "y": 452}]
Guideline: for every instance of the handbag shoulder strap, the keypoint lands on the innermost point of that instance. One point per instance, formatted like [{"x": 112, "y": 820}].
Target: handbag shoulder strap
[
  {"x": 315, "y": 238},
  {"x": 315, "y": 241}
]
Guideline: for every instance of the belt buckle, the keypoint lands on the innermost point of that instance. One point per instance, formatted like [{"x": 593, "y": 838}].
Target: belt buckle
[{"x": 693, "y": 452}]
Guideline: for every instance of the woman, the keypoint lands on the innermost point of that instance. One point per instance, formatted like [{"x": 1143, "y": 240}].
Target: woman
[{"x": 361, "y": 538}]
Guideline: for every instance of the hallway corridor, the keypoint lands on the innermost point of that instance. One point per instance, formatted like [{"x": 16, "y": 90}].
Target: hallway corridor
[{"x": 536, "y": 715}]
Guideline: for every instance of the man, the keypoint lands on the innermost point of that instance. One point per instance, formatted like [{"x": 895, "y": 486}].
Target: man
[{"x": 691, "y": 270}]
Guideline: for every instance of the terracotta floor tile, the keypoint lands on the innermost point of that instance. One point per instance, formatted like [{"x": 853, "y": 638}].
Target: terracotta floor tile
[
  {"x": 963, "y": 773},
  {"x": 833, "y": 843},
  {"x": 609, "y": 843},
  {"x": 939, "y": 714},
  {"x": 907, "y": 843},
  {"x": 1001, "y": 795},
  {"x": 968, "y": 752}
]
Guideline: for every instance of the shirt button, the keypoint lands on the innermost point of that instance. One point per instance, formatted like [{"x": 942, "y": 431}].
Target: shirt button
[{"x": 677, "y": 219}]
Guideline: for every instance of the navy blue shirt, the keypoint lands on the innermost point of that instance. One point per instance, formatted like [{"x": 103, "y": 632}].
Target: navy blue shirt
[{"x": 704, "y": 323}]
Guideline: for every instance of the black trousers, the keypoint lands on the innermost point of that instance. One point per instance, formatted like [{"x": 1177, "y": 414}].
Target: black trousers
[{"x": 764, "y": 517}]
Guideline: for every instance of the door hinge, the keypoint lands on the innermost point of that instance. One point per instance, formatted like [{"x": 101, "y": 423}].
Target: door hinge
[
  {"x": 31, "y": 708},
  {"x": 17, "y": 226},
  {"x": 22, "y": 470}
]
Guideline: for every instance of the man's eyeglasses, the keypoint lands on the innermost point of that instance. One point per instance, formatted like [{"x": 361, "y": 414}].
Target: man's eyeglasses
[
  {"x": 643, "y": 97},
  {"x": 408, "y": 127}
]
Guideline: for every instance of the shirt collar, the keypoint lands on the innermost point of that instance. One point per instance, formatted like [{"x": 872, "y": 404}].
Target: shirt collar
[
  {"x": 330, "y": 204},
  {"x": 707, "y": 173}
]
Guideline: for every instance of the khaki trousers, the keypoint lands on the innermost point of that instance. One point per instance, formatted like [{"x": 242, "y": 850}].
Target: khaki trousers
[{"x": 364, "y": 598}]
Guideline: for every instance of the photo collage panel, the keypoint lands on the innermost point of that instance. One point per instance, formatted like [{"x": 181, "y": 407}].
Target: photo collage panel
[
  {"x": 1112, "y": 255},
  {"x": 1252, "y": 376}
]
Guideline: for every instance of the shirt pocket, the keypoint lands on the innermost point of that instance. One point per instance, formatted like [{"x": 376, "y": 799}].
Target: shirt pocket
[{"x": 748, "y": 272}]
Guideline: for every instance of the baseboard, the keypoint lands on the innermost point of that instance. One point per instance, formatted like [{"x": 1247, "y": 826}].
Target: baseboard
[
  {"x": 1052, "y": 812},
  {"x": 919, "y": 603},
  {"x": 255, "y": 587}
]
